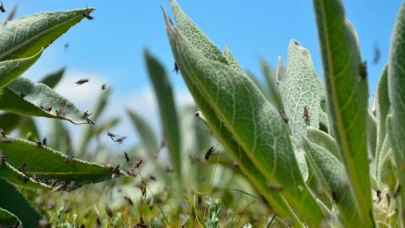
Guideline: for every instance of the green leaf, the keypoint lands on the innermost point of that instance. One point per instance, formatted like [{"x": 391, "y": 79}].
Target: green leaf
[
  {"x": 9, "y": 121},
  {"x": 195, "y": 140},
  {"x": 145, "y": 132},
  {"x": 333, "y": 178},
  {"x": 238, "y": 153},
  {"x": 28, "y": 128},
  {"x": 397, "y": 145},
  {"x": 8, "y": 219},
  {"x": 48, "y": 164},
  {"x": 300, "y": 156},
  {"x": 89, "y": 132},
  {"x": 18, "y": 178},
  {"x": 27, "y": 35},
  {"x": 396, "y": 80},
  {"x": 303, "y": 90},
  {"x": 14, "y": 202},
  {"x": 12, "y": 69},
  {"x": 347, "y": 93},
  {"x": 372, "y": 135},
  {"x": 382, "y": 104},
  {"x": 324, "y": 122},
  {"x": 259, "y": 85},
  {"x": 281, "y": 72},
  {"x": 251, "y": 120},
  {"x": 59, "y": 137},
  {"x": 194, "y": 34},
  {"x": 274, "y": 92},
  {"x": 52, "y": 79},
  {"x": 323, "y": 140},
  {"x": 26, "y": 97},
  {"x": 167, "y": 110},
  {"x": 230, "y": 58},
  {"x": 386, "y": 171}
]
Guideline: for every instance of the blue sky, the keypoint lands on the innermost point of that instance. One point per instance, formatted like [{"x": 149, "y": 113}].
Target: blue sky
[{"x": 109, "y": 48}]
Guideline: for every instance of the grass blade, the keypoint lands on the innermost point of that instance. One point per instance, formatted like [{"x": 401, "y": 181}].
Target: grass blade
[
  {"x": 52, "y": 79},
  {"x": 167, "y": 110}
]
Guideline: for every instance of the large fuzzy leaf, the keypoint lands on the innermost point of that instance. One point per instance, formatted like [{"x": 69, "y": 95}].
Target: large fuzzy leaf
[
  {"x": 333, "y": 178},
  {"x": 47, "y": 164},
  {"x": 347, "y": 94},
  {"x": 303, "y": 90},
  {"x": 27, "y": 35},
  {"x": 396, "y": 81},
  {"x": 251, "y": 120},
  {"x": 324, "y": 140},
  {"x": 18, "y": 178},
  {"x": 26, "y": 97},
  {"x": 11, "y": 69},
  {"x": 382, "y": 104},
  {"x": 194, "y": 34},
  {"x": 232, "y": 60},
  {"x": 14, "y": 202}
]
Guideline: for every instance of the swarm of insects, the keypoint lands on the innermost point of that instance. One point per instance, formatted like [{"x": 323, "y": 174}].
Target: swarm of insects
[
  {"x": 129, "y": 200},
  {"x": 116, "y": 138},
  {"x": 305, "y": 116},
  {"x": 284, "y": 116},
  {"x": 48, "y": 109},
  {"x": 2, "y": 133},
  {"x": 68, "y": 159},
  {"x": 81, "y": 81},
  {"x": 176, "y": 68},
  {"x": 88, "y": 16},
  {"x": 363, "y": 70},
  {"x": 2, "y": 8},
  {"x": 377, "y": 54},
  {"x": 39, "y": 143},
  {"x": 126, "y": 156},
  {"x": 120, "y": 139},
  {"x": 152, "y": 201},
  {"x": 137, "y": 164},
  {"x": 274, "y": 186},
  {"x": 111, "y": 135},
  {"x": 209, "y": 153},
  {"x": 193, "y": 159},
  {"x": 60, "y": 112}
]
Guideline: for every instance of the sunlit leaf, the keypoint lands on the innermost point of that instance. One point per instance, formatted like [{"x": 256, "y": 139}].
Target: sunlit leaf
[
  {"x": 27, "y": 35},
  {"x": 347, "y": 92},
  {"x": 35, "y": 99}
]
